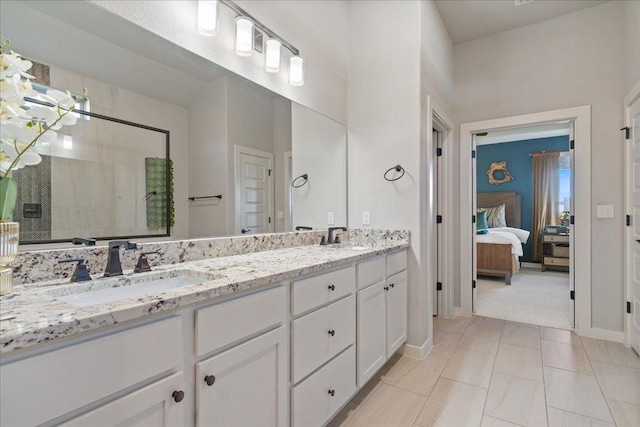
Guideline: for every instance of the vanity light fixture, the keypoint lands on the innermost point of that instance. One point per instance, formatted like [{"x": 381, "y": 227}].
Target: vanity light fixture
[
  {"x": 272, "y": 56},
  {"x": 244, "y": 36},
  {"x": 246, "y": 32},
  {"x": 296, "y": 71},
  {"x": 208, "y": 17}
]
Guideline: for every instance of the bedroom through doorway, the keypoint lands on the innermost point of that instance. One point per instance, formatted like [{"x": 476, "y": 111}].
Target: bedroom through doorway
[{"x": 523, "y": 193}]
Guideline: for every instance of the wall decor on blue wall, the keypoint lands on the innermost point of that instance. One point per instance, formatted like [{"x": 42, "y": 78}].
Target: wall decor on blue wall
[
  {"x": 498, "y": 173},
  {"x": 516, "y": 154}
]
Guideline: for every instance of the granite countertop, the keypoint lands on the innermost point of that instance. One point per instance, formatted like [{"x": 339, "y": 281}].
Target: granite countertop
[{"x": 31, "y": 316}]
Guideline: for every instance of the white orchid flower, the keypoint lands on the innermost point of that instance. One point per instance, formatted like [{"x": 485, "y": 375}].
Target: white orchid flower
[
  {"x": 63, "y": 99},
  {"x": 11, "y": 63}
]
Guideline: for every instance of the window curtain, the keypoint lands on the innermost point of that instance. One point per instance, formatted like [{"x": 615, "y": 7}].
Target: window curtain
[{"x": 546, "y": 191}]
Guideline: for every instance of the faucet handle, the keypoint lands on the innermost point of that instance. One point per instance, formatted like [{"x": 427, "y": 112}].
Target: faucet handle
[
  {"x": 142, "y": 265},
  {"x": 81, "y": 273}
]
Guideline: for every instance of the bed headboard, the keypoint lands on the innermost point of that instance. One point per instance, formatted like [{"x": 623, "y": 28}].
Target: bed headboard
[{"x": 511, "y": 202}]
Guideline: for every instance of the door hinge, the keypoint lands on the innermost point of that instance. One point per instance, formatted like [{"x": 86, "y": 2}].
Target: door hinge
[
  {"x": 473, "y": 219},
  {"x": 572, "y": 295},
  {"x": 629, "y": 307},
  {"x": 473, "y": 284},
  {"x": 269, "y": 220},
  {"x": 438, "y": 152},
  {"x": 438, "y": 219},
  {"x": 572, "y": 220},
  {"x": 473, "y": 154},
  {"x": 438, "y": 286},
  {"x": 628, "y": 220},
  {"x": 269, "y": 172},
  {"x": 627, "y": 132},
  {"x": 572, "y": 144}
]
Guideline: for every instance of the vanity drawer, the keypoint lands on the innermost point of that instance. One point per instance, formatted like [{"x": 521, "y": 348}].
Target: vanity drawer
[
  {"x": 44, "y": 387},
  {"x": 315, "y": 291},
  {"x": 225, "y": 323},
  {"x": 371, "y": 272},
  {"x": 319, "y": 336},
  {"x": 320, "y": 396},
  {"x": 396, "y": 263}
]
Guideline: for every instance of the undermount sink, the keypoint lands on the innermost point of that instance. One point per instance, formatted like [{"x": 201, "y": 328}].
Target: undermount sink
[{"x": 123, "y": 287}]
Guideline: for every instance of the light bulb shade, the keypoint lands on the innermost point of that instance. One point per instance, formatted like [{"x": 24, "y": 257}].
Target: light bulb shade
[
  {"x": 244, "y": 36},
  {"x": 272, "y": 57},
  {"x": 296, "y": 71},
  {"x": 208, "y": 17}
]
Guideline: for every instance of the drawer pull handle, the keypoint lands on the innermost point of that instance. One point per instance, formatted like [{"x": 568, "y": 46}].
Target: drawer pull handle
[
  {"x": 392, "y": 285},
  {"x": 178, "y": 395},
  {"x": 210, "y": 379},
  {"x": 332, "y": 332},
  {"x": 332, "y": 287},
  {"x": 332, "y": 392},
  {"x": 386, "y": 288}
]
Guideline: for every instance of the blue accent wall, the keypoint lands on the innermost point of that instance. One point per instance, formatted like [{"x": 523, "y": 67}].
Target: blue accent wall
[{"x": 520, "y": 165}]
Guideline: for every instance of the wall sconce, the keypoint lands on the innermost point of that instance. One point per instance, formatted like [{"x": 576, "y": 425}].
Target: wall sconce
[
  {"x": 244, "y": 36},
  {"x": 208, "y": 17},
  {"x": 245, "y": 42},
  {"x": 272, "y": 57}
]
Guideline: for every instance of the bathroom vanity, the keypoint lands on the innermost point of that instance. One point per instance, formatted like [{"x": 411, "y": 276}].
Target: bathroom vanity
[{"x": 274, "y": 338}]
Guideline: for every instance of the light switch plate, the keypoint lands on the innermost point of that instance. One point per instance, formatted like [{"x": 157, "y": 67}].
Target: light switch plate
[
  {"x": 366, "y": 218},
  {"x": 330, "y": 218},
  {"x": 604, "y": 211}
]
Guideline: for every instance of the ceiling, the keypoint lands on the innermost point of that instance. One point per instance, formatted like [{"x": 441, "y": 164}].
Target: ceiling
[
  {"x": 468, "y": 20},
  {"x": 545, "y": 130}
]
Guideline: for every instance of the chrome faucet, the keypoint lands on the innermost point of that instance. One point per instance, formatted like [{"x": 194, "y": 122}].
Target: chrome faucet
[
  {"x": 114, "y": 267},
  {"x": 330, "y": 238}
]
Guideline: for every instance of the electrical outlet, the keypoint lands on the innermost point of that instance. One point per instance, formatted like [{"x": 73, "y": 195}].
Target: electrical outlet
[
  {"x": 330, "y": 218},
  {"x": 366, "y": 218}
]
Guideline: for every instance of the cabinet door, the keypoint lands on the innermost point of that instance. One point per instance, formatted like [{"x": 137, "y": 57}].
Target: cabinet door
[
  {"x": 372, "y": 325},
  {"x": 154, "y": 405},
  {"x": 246, "y": 385},
  {"x": 396, "y": 312}
]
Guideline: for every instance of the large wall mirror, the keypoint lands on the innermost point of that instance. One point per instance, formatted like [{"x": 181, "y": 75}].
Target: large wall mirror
[{"x": 241, "y": 158}]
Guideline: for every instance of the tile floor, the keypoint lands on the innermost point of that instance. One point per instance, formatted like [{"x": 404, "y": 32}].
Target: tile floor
[{"x": 494, "y": 373}]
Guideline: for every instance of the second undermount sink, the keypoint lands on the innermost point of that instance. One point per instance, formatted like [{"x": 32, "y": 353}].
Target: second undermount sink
[{"x": 124, "y": 287}]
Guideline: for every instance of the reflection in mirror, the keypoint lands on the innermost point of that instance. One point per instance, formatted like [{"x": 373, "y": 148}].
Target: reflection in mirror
[{"x": 229, "y": 137}]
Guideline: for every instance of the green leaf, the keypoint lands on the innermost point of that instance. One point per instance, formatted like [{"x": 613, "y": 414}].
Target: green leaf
[{"x": 8, "y": 197}]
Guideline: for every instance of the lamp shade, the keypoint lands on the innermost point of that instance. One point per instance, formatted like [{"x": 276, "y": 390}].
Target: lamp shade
[
  {"x": 208, "y": 17},
  {"x": 296, "y": 71},
  {"x": 244, "y": 36},
  {"x": 272, "y": 57}
]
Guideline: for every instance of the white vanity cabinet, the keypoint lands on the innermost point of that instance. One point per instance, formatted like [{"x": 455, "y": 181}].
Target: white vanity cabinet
[
  {"x": 382, "y": 313},
  {"x": 246, "y": 385}
]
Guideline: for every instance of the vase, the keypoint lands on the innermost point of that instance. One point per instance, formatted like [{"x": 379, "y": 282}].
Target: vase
[{"x": 9, "y": 239}]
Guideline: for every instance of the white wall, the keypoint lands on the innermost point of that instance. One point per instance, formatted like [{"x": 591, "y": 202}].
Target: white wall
[
  {"x": 317, "y": 28},
  {"x": 319, "y": 147},
  {"x": 572, "y": 60},
  {"x": 390, "y": 74},
  {"x": 281, "y": 144},
  {"x": 632, "y": 29}
]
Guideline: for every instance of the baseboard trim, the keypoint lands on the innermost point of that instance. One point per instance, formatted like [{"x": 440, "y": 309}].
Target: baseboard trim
[
  {"x": 604, "y": 334},
  {"x": 415, "y": 352},
  {"x": 459, "y": 312}
]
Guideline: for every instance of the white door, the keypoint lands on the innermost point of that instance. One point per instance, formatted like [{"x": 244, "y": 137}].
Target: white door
[
  {"x": 159, "y": 404},
  {"x": 396, "y": 288},
  {"x": 474, "y": 192},
  {"x": 633, "y": 237},
  {"x": 254, "y": 189},
  {"x": 372, "y": 325},
  {"x": 246, "y": 385}
]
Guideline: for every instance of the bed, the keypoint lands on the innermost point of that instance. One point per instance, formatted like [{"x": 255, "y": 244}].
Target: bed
[{"x": 498, "y": 252}]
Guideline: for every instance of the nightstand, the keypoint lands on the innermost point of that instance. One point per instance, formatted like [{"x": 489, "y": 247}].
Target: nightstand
[{"x": 555, "y": 249}]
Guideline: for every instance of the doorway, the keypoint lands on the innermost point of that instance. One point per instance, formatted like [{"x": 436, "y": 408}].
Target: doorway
[
  {"x": 522, "y": 202},
  {"x": 253, "y": 190},
  {"x": 580, "y": 230}
]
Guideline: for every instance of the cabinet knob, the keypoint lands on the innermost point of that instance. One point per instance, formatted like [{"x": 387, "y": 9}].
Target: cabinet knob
[
  {"x": 386, "y": 288},
  {"x": 392, "y": 285},
  {"x": 332, "y": 332},
  {"x": 178, "y": 395},
  {"x": 210, "y": 379},
  {"x": 332, "y": 392},
  {"x": 332, "y": 287}
]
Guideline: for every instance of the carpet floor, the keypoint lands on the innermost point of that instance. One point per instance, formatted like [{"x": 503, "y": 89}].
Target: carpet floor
[{"x": 535, "y": 297}]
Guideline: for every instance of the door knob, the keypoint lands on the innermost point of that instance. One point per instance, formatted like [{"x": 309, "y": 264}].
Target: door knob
[
  {"x": 332, "y": 332},
  {"x": 392, "y": 285},
  {"x": 178, "y": 395},
  {"x": 386, "y": 288},
  {"x": 332, "y": 287},
  {"x": 210, "y": 379},
  {"x": 332, "y": 392},
  {"x": 244, "y": 230}
]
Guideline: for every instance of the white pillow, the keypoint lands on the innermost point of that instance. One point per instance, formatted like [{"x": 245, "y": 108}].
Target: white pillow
[
  {"x": 496, "y": 216},
  {"x": 522, "y": 235}
]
